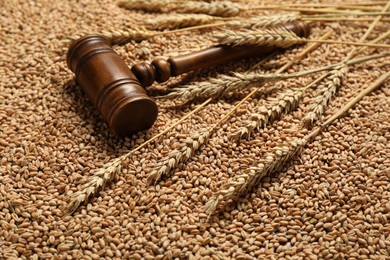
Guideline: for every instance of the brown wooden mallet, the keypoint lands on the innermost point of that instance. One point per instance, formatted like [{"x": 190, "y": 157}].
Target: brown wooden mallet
[{"x": 118, "y": 93}]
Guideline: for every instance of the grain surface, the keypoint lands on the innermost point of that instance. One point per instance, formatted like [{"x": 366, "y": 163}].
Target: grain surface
[{"x": 330, "y": 202}]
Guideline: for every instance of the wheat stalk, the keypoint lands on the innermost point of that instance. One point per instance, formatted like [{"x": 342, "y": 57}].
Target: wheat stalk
[
  {"x": 244, "y": 181},
  {"x": 176, "y": 21},
  {"x": 192, "y": 144},
  {"x": 325, "y": 91},
  {"x": 285, "y": 102}
]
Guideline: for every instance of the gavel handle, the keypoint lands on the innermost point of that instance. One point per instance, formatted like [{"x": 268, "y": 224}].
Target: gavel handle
[{"x": 161, "y": 70}]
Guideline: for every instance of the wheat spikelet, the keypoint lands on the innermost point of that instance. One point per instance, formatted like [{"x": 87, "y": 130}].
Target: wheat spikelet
[
  {"x": 191, "y": 145},
  {"x": 244, "y": 181},
  {"x": 99, "y": 179},
  {"x": 326, "y": 91},
  {"x": 263, "y": 21},
  {"x": 177, "y": 21},
  {"x": 285, "y": 102},
  {"x": 217, "y": 8},
  {"x": 146, "y": 5},
  {"x": 122, "y": 36},
  {"x": 276, "y": 37}
]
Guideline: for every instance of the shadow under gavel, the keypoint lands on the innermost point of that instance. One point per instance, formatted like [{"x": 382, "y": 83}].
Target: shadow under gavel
[{"x": 118, "y": 92}]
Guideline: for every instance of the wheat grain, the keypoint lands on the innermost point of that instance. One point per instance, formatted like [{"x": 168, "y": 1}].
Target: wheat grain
[
  {"x": 217, "y": 8},
  {"x": 146, "y": 5},
  {"x": 276, "y": 37},
  {"x": 285, "y": 102},
  {"x": 244, "y": 181},
  {"x": 325, "y": 91},
  {"x": 192, "y": 144},
  {"x": 262, "y": 21},
  {"x": 176, "y": 21}
]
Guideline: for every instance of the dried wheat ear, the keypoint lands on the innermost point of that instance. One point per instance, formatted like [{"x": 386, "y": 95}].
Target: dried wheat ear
[
  {"x": 242, "y": 182},
  {"x": 217, "y": 8}
]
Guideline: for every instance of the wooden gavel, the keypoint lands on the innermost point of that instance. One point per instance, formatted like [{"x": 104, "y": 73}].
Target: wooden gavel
[{"x": 118, "y": 92}]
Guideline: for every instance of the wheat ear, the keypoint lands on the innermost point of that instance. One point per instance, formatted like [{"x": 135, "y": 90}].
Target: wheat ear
[
  {"x": 99, "y": 180},
  {"x": 146, "y": 5},
  {"x": 275, "y": 160},
  {"x": 287, "y": 101},
  {"x": 176, "y": 21},
  {"x": 326, "y": 91},
  {"x": 276, "y": 37},
  {"x": 262, "y": 21},
  {"x": 244, "y": 181},
  {"x": 215, "y": 87},
  {"x": 217, "y": 8},
  {"x": 123, "y": 36},
  {"x": 191, "y": 145}
]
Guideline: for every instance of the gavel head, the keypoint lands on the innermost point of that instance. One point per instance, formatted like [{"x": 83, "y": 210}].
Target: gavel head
[{"x": 111, "y": 86}]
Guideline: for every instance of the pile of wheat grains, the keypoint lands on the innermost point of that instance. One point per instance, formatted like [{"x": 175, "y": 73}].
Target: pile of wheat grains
[{"x": 330, "y": 202}]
